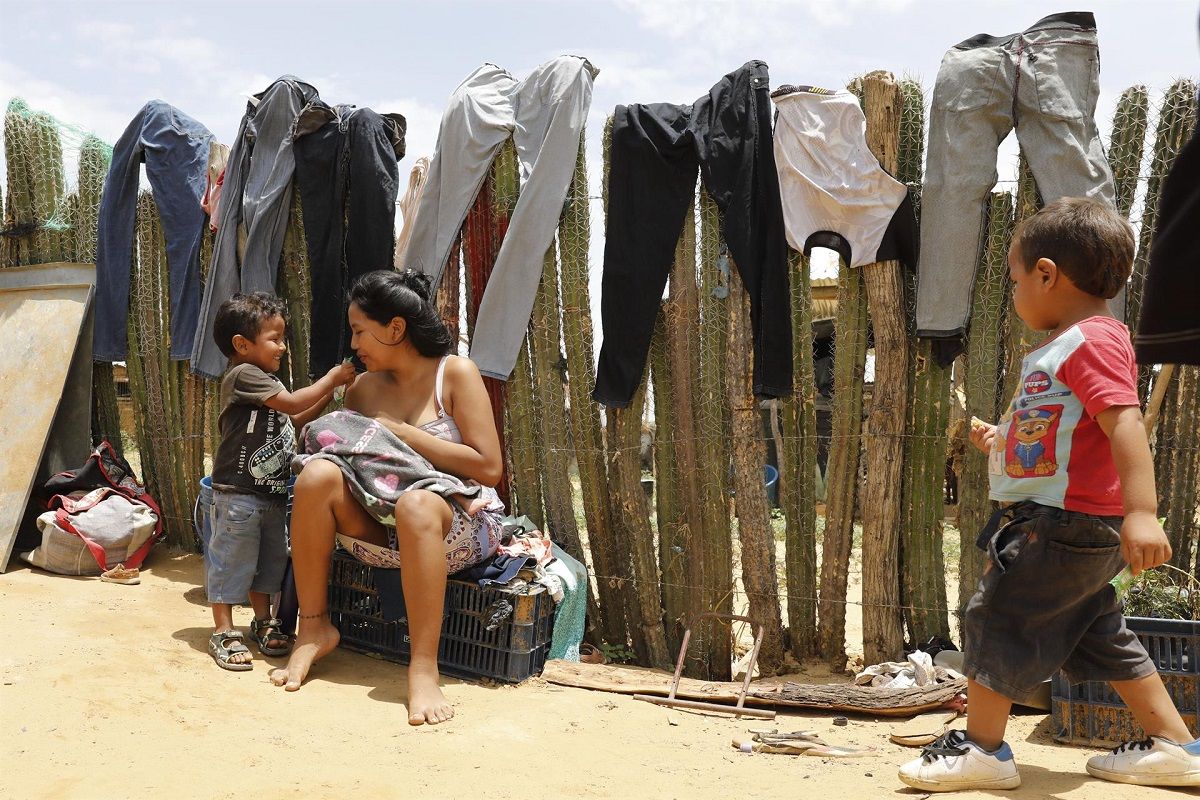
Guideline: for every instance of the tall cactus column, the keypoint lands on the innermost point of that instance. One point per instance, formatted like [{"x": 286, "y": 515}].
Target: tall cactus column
[
  {"x": 984, "y": 396},
  {"x": 797, "y": 475},
  {"x": 711, "y": 564},
  {"x": 574, "y": 240},
  {"x": 849, "y": 364},
  {"x": 922, "y": 567}
]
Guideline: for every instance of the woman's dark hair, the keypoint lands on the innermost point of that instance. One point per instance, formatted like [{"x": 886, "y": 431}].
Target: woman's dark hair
[{"x": 385, "y": 294}]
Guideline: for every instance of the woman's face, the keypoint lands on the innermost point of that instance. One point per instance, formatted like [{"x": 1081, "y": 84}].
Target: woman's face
[{"x": 373, "y": 343}]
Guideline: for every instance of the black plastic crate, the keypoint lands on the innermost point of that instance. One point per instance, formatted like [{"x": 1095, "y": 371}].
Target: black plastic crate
[
  {"x": 1093, "y": 714},
  {"x": 512, "y": 652}
]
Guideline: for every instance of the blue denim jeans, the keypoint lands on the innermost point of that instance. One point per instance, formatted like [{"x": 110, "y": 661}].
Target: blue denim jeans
[
  {"x": 175, "y": 149},
  {"x": 248, "y": 549},
  {"x": 257, "y": 196}
]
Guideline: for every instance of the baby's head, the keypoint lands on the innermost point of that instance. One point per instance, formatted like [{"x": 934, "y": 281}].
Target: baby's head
[
  {"x": 251, "y": 329},
  {"x": 1080, "y": 239}
]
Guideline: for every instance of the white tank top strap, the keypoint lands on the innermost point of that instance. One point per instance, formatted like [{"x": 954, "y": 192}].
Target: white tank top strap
[{"x": 437, "y": 392}]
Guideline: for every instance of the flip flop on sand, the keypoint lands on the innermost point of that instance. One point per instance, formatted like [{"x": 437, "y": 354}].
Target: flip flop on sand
[
  {"x": 796, "y": 743},
  {"x": 921, "y": 730},
  {"x": 120, "y": 574}
]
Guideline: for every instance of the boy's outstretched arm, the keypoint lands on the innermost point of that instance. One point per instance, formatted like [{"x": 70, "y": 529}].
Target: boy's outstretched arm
[
  {"x": 312, "y": 412},
  {"x": 299, "y": 402},
  {"x": 1143, "y": 542}
]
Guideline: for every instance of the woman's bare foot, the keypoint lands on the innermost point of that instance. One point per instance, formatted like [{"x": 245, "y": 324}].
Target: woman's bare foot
[
  {"x": 315, "y": 639},
  {"x": 426, "y": 703}
]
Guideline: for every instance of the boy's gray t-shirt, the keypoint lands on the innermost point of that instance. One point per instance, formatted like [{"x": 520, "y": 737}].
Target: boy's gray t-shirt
[{"x": 257, "y": 443}]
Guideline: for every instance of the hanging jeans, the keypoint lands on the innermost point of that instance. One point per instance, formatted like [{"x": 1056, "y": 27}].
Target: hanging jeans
[
  {"x": 347, "y": 176},
  {"x": 257, "y": 196},
  {"x": 544, "y": 114},
  {"x": 655, "y": 152},
  {"x": 1044, "y": 81},
  {"x": 1169, "y": 329},
  {"x": 175, "y": 149}
]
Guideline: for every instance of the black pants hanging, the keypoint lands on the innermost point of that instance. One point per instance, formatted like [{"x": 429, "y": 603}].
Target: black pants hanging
[
  {"x": 1169, "y": 329},
  {"x": 655, "y": 152},
  {"x": 348, "y": 177}
]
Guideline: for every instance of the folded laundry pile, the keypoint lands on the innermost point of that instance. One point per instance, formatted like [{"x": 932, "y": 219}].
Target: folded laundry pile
[{"x": 918, "y": 670}]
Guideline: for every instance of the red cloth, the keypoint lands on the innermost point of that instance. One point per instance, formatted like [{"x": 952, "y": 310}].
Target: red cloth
[{"x": 212, "y": 198}]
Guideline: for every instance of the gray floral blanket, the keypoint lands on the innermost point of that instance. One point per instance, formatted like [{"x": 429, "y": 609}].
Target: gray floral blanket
[{"x": 378, "y": 466}]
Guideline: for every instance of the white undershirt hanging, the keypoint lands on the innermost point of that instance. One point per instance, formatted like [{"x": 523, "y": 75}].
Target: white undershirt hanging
[{"x": 831, "y": 184}]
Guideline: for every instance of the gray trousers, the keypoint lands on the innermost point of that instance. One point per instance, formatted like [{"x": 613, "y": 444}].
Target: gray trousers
[
  {"x": 1043, "y": 81},
  {"x": 257, "y": 197},
  {"x": 545, "y": 115}
]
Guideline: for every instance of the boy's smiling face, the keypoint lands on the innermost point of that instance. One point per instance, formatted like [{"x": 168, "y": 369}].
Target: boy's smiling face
[{"x": 267, "y": 349}]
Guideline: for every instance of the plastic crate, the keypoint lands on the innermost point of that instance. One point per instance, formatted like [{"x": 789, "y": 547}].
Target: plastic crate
[
  {"x": 1093, "y": 714},
  {"x": 512, "y": 652}
]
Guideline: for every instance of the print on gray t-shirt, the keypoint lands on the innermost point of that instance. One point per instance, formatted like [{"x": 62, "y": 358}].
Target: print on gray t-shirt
[{"x": 257, "y": 443}]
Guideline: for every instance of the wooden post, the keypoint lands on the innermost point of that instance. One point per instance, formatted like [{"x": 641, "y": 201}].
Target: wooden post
[{"x": 883, "y": 636}]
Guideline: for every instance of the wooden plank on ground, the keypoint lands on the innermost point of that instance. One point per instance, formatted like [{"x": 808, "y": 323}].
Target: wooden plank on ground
[{"x": 831, "y": 697}]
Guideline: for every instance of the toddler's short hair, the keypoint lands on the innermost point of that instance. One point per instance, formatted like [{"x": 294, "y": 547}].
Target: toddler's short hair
[
  {"x": 244, "y": 314},
  {"x": 1086, "y": 238}
]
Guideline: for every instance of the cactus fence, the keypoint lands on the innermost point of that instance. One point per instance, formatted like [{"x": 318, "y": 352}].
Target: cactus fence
[{"x": 861, "y": 533}]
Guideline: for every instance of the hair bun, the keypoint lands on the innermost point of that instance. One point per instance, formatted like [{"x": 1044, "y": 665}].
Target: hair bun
[{"x": 418, "y": 282}]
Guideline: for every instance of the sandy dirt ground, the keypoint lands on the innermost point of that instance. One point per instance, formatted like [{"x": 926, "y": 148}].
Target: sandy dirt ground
[{"x": 107, "y": 692}]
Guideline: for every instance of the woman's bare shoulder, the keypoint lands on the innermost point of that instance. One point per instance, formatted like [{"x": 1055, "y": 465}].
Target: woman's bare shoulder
[
  {"x": 363, "y": 391},
  {"x": 461, "y": 367},
  {"x": 461, "y": 374}
]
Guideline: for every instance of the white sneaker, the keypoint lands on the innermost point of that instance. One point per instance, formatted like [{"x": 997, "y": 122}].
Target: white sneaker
[
  {"x": 1151, "y": 762},
  {"x": 954, "y": 763}
]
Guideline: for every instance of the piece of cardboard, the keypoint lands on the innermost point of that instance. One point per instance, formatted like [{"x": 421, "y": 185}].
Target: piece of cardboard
[{"x": 45, "y": 381}]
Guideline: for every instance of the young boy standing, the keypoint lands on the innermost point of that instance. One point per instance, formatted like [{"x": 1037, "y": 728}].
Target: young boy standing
[
  {"x": 1071, "y": 461},
  {"x": 247, "y": 554}
]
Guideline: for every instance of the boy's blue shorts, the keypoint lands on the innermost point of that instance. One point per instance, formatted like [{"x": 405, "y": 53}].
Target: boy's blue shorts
[
  {"x": 1045, "y": 603},
  {"x": 248, "y": 549}
]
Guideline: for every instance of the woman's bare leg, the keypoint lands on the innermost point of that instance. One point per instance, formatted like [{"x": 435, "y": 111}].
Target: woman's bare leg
[
  {"x": 322, "y": 505},
  {"x": 422, "y": 522}
]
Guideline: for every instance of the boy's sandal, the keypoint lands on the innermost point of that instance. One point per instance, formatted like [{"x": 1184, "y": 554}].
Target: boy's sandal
[
  {"x": 270, "y": 630},
  {"x": 222, "y": 645}
]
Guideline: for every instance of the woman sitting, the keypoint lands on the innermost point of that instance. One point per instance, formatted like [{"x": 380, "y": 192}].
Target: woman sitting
[{"x": 435, "y": 403}]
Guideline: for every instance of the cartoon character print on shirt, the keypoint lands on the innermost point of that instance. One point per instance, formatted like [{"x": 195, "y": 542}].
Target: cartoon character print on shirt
[{"x": 1030, "y": 446}]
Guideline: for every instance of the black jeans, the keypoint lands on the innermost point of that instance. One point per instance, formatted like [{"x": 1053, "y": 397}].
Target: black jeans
[
  {"x": 347, "y": 175},
  {"x": 655, "y": 152},
  {"x": 1169, "y": 329}
]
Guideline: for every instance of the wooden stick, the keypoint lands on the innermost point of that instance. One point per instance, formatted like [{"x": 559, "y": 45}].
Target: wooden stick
[{"x": 1156, "y": 397}]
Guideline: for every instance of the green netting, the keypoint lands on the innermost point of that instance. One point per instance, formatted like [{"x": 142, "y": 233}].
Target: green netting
[{"x": 54, "y": 173}]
